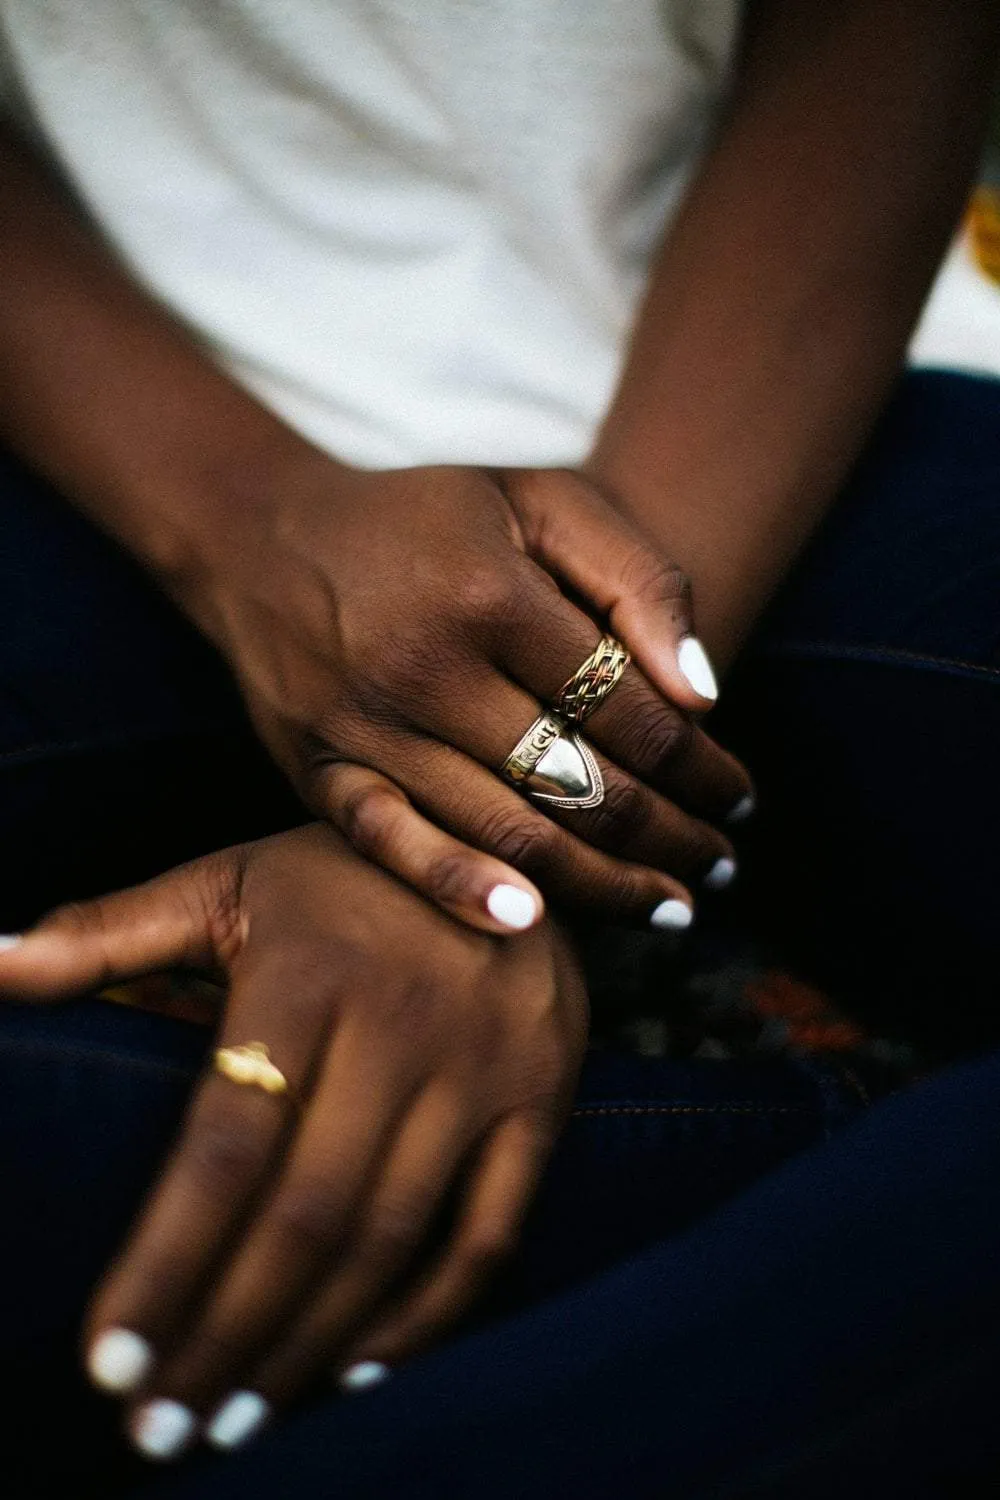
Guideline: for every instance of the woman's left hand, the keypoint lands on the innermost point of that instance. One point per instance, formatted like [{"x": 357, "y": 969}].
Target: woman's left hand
[{"x": 429, "y": 1068}]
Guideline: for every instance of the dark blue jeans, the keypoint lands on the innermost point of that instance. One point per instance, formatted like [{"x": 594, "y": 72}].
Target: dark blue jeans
[{"x": 730, "y": 1285}]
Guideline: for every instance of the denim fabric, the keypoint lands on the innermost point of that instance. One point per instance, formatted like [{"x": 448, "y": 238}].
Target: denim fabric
[
  {"x": 123, "y": 744},
  {"x": 729, "y": 1285},
  {"x": 91, "y": 1096},
  {"x": 831, "y": 1332},
  {"x": 869, "y": 710}
]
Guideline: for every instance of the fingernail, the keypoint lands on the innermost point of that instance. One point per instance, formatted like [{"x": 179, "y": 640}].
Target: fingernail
[
  {"x": 363, "y": 1375},
  {"x": 721, "y": 874},
  {"x": 9, "y": 940},
  {"x": 237, "y": 1419},
  {"x": 745, "y": 808},
  {"x": 162, "y": 1429},
  {"x": 512, "y": 906},
  {"x": 119, "y": 1360},
  {"x": 672, "y": 916},
  {"x": 697, "y": 668}
]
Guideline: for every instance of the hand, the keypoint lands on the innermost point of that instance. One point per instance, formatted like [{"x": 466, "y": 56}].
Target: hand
[
  {"x": 409, "y": 622},
  {"x": 423, "y": 1058}
]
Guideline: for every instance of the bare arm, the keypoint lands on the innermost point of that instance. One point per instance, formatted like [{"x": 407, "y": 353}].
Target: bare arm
[
  {"x": 783, "y": 298},
  {"x": 103, "y": 392},
  {"x": 386, "y": 620}
]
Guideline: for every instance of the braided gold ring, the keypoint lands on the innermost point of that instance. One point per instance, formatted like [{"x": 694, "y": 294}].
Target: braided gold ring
[{"x": 588, "y": 687}]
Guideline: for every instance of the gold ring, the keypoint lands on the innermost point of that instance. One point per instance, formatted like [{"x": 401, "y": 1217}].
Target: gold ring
[
  {"x": 552, "y": 764},
  {"x": 251, "y": 1066},
  {"x": 599, "y": 676}
]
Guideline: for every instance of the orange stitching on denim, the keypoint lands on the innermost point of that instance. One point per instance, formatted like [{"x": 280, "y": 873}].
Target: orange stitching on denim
[
  {"x": 876, "y": 656},
  {"x": 690, "y": 1109}
]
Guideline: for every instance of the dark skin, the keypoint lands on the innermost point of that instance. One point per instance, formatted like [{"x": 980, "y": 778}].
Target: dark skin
[
  {"x": 410, "y": 622},
  {"x": 422, "y": 1057},
  {"x": 785, "y": 293}
]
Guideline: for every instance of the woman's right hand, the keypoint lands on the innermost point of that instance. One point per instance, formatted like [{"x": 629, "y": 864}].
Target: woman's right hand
[
  {"x": 410, "y": 623},
  {"x": 355, "y": 1217}
]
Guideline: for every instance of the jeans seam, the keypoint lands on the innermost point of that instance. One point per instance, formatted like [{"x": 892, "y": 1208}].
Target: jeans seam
[
  {"x": 689, "y": 1109},
  {"x": 886, "y": 656},
  {"x": 30, "y": 755}
]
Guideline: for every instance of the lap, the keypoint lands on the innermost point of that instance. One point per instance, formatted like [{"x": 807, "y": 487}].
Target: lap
[
  {"x": 832, "y": 1330},
  {"x": 91, "y": 1095},
  {"x": 868, "y": 708},
  {"x": 123, "y": 745}
]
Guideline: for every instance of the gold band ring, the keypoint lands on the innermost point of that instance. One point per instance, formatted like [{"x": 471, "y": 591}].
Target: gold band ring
[
  {"x": 250, "y": 1066},
  {"x": 552, "y": 764},
  {"x": 599, "y": 676}
]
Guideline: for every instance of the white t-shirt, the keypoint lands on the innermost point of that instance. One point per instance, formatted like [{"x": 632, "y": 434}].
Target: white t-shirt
[{"x": 416, "y": 229}]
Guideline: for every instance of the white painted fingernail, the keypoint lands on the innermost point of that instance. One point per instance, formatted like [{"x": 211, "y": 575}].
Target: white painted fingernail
[
  {"x": 697, "y": 668},
  {"x": 237, "y": 1419},
  {"x": 162, "y": 1429},
  {"x": 721, "y": 874},
  {"x": 362, "y": 1376},
  {"x": 745, "y": 808},
  {"x": 119, "y": 1360},
  {"x": 512, "y": 906},
  {"x": 672, "y": 916},
  {"x": 9, "y": 940}
]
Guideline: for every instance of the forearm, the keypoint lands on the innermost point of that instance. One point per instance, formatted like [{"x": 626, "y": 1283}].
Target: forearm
[
  {"x": 780, "y": 306},
  {"x": 105, "y": 394}
]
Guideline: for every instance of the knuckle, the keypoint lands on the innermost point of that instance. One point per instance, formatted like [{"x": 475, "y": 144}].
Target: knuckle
[
  {"x": 485, "y": 594},
  {"x": 77, "y": 919},
  {"x": 224, "y": 1150},
  {"x": 452, "y": 878},
  {"x": 407, "y": 669},
  {"x": 309, "y": 1213},
  {"x": 410, "y": 1012},
  {"x": 310, "y": 976},
  {"x": 525, "y": 840},
  {"x": 70, "y": 917},
  {"x": 624, "y": 809},
  {"x": 658, "y": 735},
  {"x": 650, "y": 578},
  {"x": 370, "y": 819},
  {"x": 392, "y": 1231},
  {"x": 622, "y": 888}
]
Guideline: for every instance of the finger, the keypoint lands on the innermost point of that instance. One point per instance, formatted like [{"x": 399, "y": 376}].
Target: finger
[
  {"x": 299, "y": 1231},
  {"x": 635, "y": 823},
  {"x": 647, "y": 601},
  {"x": 431, "y": 1146},
  {"x": 500, "y": 1192},
  {"x": 636, "y": 727},
  {"x": 230, "y": 1143},
  {"x": 631, "y": 822},
  {"x": 479, "y": 809},
  {"x": 384, "y": 826},
  {"x": 86, "y": 945}
]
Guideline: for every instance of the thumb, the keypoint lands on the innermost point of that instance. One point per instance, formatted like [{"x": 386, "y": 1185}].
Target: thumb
[
  {"x": 578, "y": 537},
  {"x": 87, "y": 945}
]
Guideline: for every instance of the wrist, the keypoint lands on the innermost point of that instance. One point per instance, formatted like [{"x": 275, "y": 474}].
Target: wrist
[
  {"x": 725, "y": 594},
  {"x": 221, "y": 506}
]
